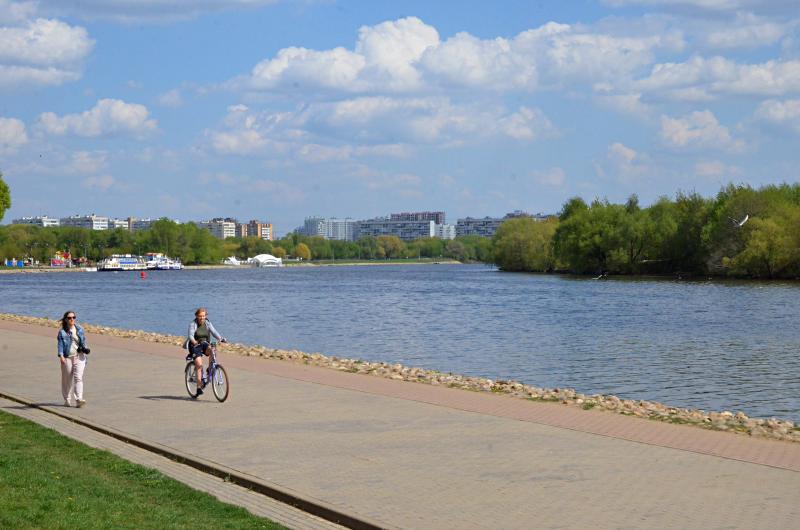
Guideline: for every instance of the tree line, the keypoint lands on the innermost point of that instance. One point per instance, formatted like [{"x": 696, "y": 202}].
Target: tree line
[
  {"x": 742, "y": 232},
  {"x": 194, "y": 245}
]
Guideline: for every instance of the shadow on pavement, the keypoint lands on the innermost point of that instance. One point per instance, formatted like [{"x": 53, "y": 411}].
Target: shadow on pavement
[{"x": 160, "y": 398}]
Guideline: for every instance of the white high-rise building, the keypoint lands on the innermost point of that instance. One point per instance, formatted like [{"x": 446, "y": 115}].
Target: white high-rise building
[
  {"x": 331, "y": 228},
  {"x": 93, "y": 222},
  {"x": 405, "y": 230},
  {"x": 38, "y": 221},
  {"x": 444, "y": 231},
  {"x": 118, "y": 223},
  {"x": 220, "y": 228}
]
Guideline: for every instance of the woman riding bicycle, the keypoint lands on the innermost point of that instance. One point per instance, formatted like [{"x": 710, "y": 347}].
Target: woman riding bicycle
[{"x": 198, "y": 342}]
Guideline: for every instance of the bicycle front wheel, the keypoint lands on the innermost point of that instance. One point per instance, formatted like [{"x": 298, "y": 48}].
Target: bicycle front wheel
[
  {"x": 220, "y": 384},
  {"x": 190, "y": 376}
]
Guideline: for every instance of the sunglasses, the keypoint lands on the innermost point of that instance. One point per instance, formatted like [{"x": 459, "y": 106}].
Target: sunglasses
[{"x": 71, "y": 318}]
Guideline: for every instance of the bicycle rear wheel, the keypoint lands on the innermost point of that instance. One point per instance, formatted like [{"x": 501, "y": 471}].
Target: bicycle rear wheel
[
  {"x": 190, "y": 376},
  {"x": 220, "y": 383}
]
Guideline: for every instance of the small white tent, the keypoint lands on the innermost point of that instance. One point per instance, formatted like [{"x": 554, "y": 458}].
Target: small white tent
[
  {"x": 231, "y": 261},
  {"x": 267, "y": 260}
]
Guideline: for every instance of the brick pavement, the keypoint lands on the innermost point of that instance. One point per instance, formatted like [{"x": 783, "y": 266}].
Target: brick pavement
[{"x": 417, "y": 456}]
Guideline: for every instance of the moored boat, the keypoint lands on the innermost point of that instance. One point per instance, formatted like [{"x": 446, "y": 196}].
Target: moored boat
[{"x": 122, "y": 262}]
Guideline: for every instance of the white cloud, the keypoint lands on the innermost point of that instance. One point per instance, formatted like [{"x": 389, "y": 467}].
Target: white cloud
[
  {"x": 464, "y": 60},
  {"x": 780, "y": 113},
  {"x": 699, "y": 78},
  {"x": 86, "y": 162},
  {"x": 624, "y": 164},
  {"x": 14, "y": 12},
  {"x": 171, "y": 98},
  {"x": 746, "y": 31},
  {"x": 41, "y": 51},
  {"x": 373, "y": 126},
  {"x": 13, "y": 135},
  {"x": 382, "y": 57},
  {"x": 700, "y": 129},
  {"x": 100, "y": 182},
  {"x": 406, "y": 55},
  {"x": 554, "y": 177},
  {"x": 625, "y": 103},
  {"x": 108, "y": 116},
  {"x": 714, "y": 169},
  {"x": 620, "y": 154}
]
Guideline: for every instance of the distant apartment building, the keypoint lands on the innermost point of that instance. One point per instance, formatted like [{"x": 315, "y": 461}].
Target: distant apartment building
[
  {"x": 219, "y": 227},
  {"x": 436, "y": 217},
  {"x": 134, "y": 224},
  {"x": 241, "y": 230},
  {"x": 260, "y": 230},
  {"x": 42, "y": 220},
  {"x": 487, "y": 226},
  {"x": 118, "y": 223},
  {"x": 405, "y": 230},
  {"x": 331, "y": 228},
  {"x": 92, "y": 222},
  {"x": 314, "y": 226},
  {"x": 444, "y": 231}
]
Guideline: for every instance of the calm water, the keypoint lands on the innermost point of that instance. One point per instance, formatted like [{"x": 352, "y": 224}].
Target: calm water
[{"x": 710, "y": 345}]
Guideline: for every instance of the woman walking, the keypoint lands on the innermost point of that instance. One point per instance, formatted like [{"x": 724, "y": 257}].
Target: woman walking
[{"x": 72, "y": 352}]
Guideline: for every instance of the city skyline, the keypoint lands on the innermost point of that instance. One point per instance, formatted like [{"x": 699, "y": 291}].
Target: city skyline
[{"x": 360, "y": 108}]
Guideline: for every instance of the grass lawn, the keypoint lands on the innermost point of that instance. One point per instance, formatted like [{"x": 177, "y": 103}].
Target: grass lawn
[{"x": 50, "y": 481}]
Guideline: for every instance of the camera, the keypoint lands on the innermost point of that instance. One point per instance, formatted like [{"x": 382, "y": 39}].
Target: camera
[{"x": 84, "y": 350}]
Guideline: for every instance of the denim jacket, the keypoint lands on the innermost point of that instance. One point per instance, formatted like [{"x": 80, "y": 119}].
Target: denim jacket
[
  {"x": 65, "y": 340},
  {"x": 193, "y": 327}
]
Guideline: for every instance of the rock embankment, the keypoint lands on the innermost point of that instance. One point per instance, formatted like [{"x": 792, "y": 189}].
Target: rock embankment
[{"x": 722, "y": 421}]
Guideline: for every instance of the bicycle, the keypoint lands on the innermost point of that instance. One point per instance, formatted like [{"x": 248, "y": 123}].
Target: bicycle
[{"x": 216, "y": 376}]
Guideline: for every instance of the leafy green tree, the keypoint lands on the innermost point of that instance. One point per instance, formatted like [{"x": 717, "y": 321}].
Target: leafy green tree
[
  {"x": 479, "y": 248},
  {"x": 768, "y": 249},
  {"x": 302, "y": 251},
  {"x": 279, "y": 252},
  {"x": 320, "y": 247},
  {"x": 456, "y": 250},
  {"x": 5, "y": 197},
  {"x": 368, "y": 246},
  {"x": 393, "y": 247},
  {"x": 524, "y": 244},
  {"x": 592, "y": 239}
]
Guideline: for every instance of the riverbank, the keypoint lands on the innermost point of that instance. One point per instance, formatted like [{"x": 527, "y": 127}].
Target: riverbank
[
  {"x": 37, "y": 270},
  {"x": 727, "y": 421}
]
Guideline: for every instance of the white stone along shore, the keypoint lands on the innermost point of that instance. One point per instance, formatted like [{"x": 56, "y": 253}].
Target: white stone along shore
[{"x": 722, "y": 421}]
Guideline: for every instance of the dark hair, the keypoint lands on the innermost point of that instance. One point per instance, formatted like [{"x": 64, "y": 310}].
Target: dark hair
[
  {"x": 200, "y": 310},
  {"x": 64, "y": 324}
]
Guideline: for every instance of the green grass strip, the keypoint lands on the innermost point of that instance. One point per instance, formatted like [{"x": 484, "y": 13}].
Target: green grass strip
[{"x": 50, "y": 481}]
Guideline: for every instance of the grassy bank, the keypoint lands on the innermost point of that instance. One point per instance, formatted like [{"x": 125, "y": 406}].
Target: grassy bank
[{"x": 50, "y": 481}]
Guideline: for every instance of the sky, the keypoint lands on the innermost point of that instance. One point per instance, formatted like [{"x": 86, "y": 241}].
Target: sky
[{"x": 279, "y": 110}]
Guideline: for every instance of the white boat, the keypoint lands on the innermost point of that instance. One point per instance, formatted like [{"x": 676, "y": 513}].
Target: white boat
[
  {"x": 266, "y": 260},
  {"x": 170, "y": 264},
  {"x": 122, "y": 262},
  {"x": 159, "y": 261}
]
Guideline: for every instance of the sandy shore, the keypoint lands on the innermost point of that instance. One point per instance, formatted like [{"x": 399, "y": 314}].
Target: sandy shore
[{"x": 737, "y": 422}]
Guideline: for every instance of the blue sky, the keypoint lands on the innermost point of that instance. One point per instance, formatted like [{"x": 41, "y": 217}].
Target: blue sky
[{"x": 277, "y": 110}]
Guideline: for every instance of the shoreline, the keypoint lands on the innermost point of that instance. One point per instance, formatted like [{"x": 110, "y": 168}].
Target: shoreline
[
  {"x": 727, "y": 421},
  {"x": 42, "y": 270}
]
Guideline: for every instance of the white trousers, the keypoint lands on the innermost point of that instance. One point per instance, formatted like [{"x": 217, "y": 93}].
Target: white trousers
[{"x": 72, "y": 377}]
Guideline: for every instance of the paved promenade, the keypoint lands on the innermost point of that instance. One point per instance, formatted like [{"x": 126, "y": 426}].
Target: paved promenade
[{"x": 408, "y": 455}]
